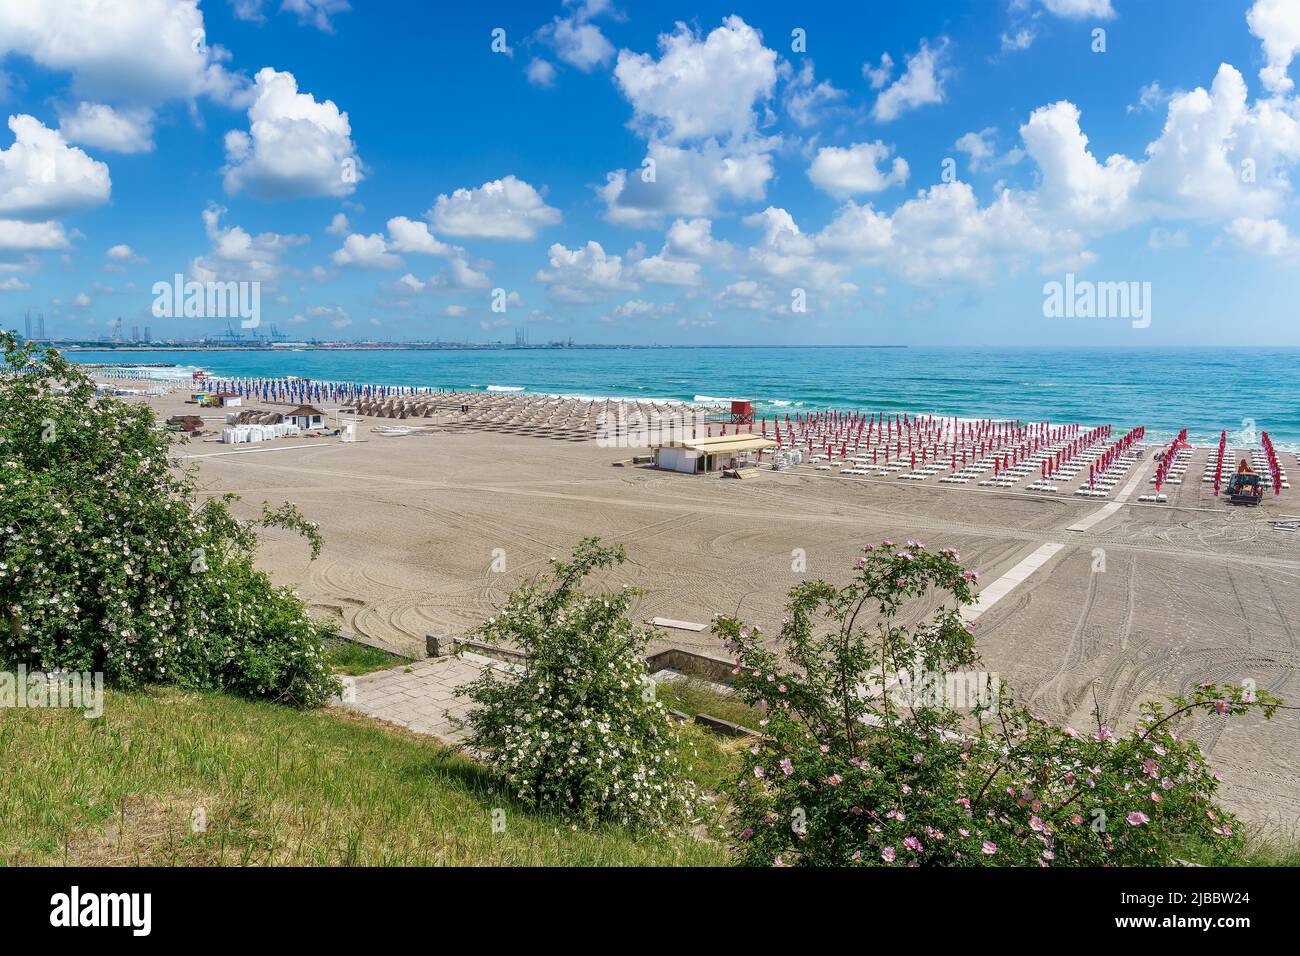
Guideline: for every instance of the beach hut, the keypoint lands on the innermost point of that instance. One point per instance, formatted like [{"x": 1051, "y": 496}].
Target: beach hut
[
  {"x": 225, "y": 399},
  {"x": 306, "y": 416},
  {"x": 703, "y": 455}
]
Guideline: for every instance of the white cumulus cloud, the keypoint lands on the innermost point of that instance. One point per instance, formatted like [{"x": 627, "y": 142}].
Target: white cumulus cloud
[
  {"x": 366, "y": 252},
  {"x": 17, "y": 236},
  {"x": 540, "y": 72},
  {"x": 124, "y": 255},
  {"x": 1264, "y": 237},
  {"x": 407, "y": 235},
  {"x": 1277, "y": 24},
  {"x": 1219, "y": 156},
  {"x": 584, "y": 274},
  {"x": 240, "y": 255},
  {"x": 807, "y": 101},
  {"x": 581, "y": 44},
  {"x": 686, "y": 181},
  {"x": 506, "y": 208},
  {"x": 116, "y": 130},
  {"x": 921, "y": 83},
  {"x": 294, "y": 147},
  {"x": 1080, "y": 9},
  {"x": 699, "y": 88},
  {"x": 697, "y": 106},
  {"x": 42, "y": 177},
  {"x": 314, "y": 13},
  {"x": 139, "y": 51},
  {"x": 1073, "y": 181},
  {"x": 856, "y": 169}
]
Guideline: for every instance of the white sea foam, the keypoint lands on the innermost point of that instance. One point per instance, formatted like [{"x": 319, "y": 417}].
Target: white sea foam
[
  {"x": 713, "y": 400},
  {"x": 181, "y": 373},
  {"x": 645, "y": 399}
]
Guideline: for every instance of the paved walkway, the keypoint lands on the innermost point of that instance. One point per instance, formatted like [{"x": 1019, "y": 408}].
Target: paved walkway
[
  {"x": 1140, "y": 474},
  {"x": 419, "y": 696},
  {"x": 1004, "y": 585}
]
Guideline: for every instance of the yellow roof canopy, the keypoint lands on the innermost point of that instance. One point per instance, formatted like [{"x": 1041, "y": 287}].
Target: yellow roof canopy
[{"x": 724, "y": 443}]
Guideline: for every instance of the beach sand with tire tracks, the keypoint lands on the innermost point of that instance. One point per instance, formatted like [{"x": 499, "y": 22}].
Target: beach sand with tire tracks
[{"x": 417, "y": 529}]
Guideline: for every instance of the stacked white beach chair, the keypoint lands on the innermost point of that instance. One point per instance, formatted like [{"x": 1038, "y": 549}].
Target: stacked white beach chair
[
  {"x": 252, "y": 434},
  {"x": 1174, "y": 476},
  {"x": 1178, "y": 468},
  {"x": 1104, "y": 482},
  {"x": 1259, "y": 462}
]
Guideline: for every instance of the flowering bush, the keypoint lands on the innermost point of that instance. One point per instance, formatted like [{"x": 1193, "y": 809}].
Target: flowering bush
[
  {"x": 868, "y": 760},
  {"x": 577, "y": 730},
  {"x": 108, "y": 563}
]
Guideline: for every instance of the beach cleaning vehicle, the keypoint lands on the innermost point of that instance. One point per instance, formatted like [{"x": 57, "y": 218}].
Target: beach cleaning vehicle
[{"x": 1245, "y": 488}]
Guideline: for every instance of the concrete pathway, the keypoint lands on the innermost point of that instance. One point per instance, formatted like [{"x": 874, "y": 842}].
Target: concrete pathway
[
  {"x": 1083, "y": 524},
  {"x": 254, "y": 451},
  {"x": 1004, "y": 585},
  {"x": 419, "y": 696}
]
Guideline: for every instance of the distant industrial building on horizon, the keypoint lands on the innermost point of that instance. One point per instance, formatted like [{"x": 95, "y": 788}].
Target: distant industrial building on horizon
[{"x": 35, "y": 330}]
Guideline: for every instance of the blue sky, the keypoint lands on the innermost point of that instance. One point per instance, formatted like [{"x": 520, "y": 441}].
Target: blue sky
[{"x": 914, "y": 174}]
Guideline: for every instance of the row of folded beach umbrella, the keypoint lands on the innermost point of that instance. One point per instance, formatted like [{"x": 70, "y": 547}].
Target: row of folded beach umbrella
[
  {"x": 568, "y": 418},
  {"x": 1274, "y": 468},
  {"x": 893, "y": 441},
  {"x": 304, "y": 391}
]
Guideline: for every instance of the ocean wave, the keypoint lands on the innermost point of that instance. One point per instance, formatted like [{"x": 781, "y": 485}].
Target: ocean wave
[
  {"x": 619, "y": 399},
  {"x": 505, "y": 388},
  {"x": 1081, "y": 385},
  {"x": 178, "y": 374}
]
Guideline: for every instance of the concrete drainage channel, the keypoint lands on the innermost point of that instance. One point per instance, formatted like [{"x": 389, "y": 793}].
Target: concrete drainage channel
[{"x": 664, "y": 667}]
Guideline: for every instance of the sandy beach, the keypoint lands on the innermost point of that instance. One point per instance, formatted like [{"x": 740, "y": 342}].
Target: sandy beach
[{"x": 418, "y": 528}]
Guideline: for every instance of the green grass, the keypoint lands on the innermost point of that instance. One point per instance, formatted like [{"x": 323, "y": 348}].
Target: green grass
[
  {"x": 285, "y": 787},
  {"x": 714, "y": 760},
  {"x": 353, "y": 659},
  {"x": 697, "y": 697},
  {"x": 278, "y": 786},
  {"x": 1259, "y": 846}
]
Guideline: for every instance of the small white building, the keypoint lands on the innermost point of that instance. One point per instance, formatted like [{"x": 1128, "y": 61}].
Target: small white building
[
  {"x": 703, "y": 455},
  {"x": 306, "y": 417}
]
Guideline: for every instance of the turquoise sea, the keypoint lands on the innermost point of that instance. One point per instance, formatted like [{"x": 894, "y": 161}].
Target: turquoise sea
[{"x": 1204, "y": 390}]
